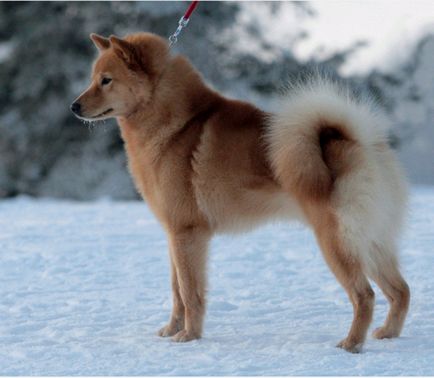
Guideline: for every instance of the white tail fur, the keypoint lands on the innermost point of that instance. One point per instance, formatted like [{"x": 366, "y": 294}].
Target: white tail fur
[{"x": 351, "y": 164}]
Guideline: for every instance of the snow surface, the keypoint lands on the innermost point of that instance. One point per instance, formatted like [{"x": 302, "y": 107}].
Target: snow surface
[{"x": 85, "y": 286}]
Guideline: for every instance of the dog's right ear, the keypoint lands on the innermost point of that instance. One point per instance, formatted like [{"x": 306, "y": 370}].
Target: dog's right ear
[{"x": 100, "y": 42}]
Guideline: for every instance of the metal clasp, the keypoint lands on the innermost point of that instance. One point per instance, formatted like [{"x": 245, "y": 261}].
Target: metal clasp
[{"x": 182, "y": 23}]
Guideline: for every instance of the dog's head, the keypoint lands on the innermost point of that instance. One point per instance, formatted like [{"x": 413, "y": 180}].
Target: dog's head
[{"x": 124, "y": 76}]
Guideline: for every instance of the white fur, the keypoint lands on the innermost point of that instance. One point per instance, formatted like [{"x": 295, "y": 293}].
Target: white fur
[{"x": 369, "y": 201}]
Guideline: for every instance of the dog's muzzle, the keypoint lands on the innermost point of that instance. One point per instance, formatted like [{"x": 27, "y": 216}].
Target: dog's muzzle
[{"x": 76, "y": 108}]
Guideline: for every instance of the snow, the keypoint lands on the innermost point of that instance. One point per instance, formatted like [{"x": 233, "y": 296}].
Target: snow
[
  {"x": 5, "y": 50},
  {"x": 85, "y": 286}
]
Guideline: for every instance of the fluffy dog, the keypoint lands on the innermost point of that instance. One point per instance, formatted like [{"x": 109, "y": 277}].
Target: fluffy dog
[{"x": 207, "y": 164}]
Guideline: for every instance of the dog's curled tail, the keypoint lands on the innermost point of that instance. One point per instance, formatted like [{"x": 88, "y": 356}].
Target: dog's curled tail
[{"x": 321, "y": 133}]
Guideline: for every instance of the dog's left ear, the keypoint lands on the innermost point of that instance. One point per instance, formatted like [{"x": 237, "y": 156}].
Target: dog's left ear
[
  {"x": 100, "y": 42},
  {"x": 125, "y": 51}
]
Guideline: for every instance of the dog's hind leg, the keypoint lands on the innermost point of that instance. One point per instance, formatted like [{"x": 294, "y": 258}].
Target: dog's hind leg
[
  {"x": 387, "y": 276},
  {"x": 176, "y": 322},
  {"x": 189, "y": 253},
  {"x": 347, "y": 268}
]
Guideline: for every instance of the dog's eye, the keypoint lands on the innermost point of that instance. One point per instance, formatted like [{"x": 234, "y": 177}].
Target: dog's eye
[{"x": 105, "y": 80}]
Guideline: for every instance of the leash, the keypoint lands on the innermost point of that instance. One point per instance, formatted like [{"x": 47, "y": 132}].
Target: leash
[{"x": 182, "y": 23}]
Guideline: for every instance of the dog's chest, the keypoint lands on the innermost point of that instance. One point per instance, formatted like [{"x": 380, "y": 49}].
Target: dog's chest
[{"x": 144, "y": 178}]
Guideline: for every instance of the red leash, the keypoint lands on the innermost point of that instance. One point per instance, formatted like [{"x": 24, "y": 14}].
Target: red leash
[
  {"x": 183, "y": 22},
  {"x": 190, "y": 9}
]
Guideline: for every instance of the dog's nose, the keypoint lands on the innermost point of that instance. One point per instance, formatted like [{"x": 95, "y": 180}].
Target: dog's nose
[{"x": 76, "y": 108}]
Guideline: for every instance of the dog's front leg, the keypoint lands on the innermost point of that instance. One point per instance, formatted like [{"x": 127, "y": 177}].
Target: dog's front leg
[
  {"x": 189, "y": 255},
  {"x": 176, "y": 322}
]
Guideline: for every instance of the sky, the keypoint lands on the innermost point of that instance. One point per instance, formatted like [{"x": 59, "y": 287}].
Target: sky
[
  {"x": 389, "y": 27},
  {"x": 388, "y": 30}
]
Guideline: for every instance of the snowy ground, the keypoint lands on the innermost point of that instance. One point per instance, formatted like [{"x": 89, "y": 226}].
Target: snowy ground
[{"x": 85, "y": 286}]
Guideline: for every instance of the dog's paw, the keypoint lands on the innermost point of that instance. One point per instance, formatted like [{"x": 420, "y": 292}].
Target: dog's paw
[
  {"x": 184, "y": 336},
  {"x": 350, "y": 346},
  {"x": 384, "y": 333},
  {"x": 168, "y": 330}
]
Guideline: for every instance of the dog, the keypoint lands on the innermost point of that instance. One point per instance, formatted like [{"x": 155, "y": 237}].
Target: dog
[{"x": 207, "y": 164}]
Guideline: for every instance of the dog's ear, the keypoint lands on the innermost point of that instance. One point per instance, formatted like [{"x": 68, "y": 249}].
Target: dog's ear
[
  {"x": 100, "y": 42},
  {"x": 126, "y": 52}
]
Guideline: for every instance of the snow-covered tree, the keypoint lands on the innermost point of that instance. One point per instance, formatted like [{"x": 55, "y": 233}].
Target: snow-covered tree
[{"x": 45, "y": 60}]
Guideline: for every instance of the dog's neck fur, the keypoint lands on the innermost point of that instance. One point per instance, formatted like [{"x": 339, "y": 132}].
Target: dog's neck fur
[{"x": 179, "y": 93}]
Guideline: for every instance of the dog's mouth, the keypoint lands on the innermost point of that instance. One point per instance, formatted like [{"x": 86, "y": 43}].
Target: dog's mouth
[
  {"x": 103, "y": 113},
  {"x": 98, "y": 117}
]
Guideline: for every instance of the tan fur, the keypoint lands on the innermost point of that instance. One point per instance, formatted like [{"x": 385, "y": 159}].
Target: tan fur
[{"x": 208, "y": 164}]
